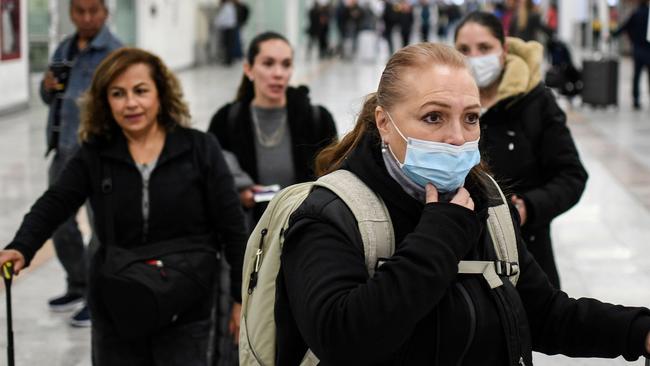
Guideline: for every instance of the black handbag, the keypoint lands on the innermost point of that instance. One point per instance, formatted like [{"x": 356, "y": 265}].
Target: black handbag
[{"x": 144, "y": 289}]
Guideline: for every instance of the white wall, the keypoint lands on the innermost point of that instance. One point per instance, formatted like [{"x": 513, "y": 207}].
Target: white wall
[
  {"x": 170, "y": 32},
  {"x": 14, "y": 74},
  {"x": 571, "y": 12}
]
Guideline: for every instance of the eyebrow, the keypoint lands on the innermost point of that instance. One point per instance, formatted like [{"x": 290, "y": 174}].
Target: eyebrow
[
  {"x": 142, "y": 83},
  {"x": 445, "y": 105}
]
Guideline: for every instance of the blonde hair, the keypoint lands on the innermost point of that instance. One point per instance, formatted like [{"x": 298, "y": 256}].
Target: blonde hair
[
  {"x": 392, "y": 88},
  {"x": 96, "y": 116}
]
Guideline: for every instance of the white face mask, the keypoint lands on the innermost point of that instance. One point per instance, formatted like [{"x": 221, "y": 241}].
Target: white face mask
[{"x": 486, "y": 69}]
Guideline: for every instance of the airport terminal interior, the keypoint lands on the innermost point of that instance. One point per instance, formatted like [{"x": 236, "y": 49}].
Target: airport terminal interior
[{"x": 601, "y": 244}]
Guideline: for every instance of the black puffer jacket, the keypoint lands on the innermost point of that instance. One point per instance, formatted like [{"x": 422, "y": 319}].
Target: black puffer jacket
[
  {"x": 528, "y": 146},
  {"x": 416, "y": 310},
  {"x": 307, "y": 136}
]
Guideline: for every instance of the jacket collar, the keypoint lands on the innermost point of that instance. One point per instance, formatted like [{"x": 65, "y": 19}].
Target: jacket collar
[
  {"x": 102, "y": 39},
  {"x": 177, "y": 142},
  {"x": 522, "y": 68}
]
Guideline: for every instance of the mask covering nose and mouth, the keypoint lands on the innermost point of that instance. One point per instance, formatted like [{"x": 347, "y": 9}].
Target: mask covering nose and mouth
[
  {"x": 444, "y": 165},
  {"x": 486, "y": 69}
]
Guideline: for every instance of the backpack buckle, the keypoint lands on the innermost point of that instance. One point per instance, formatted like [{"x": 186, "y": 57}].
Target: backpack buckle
[{"x": 507, "y": 269}]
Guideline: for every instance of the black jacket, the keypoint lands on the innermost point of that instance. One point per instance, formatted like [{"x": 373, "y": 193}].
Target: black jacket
[
  {"x": 529, "y": 148},
  {"x": 416, "y": 310},
  {"x": 190, "y": 193},
  {"x": 636, "y": 27},
  {"x": 307, "y": 137}
]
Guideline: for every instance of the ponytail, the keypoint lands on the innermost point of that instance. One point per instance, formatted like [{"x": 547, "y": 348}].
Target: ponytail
[{"x": 332, "y": 157}]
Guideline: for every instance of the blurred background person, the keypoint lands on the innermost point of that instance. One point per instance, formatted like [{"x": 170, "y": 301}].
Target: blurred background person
[
  {"x": 390, "y": 19},
  {"x": 406, "y": 19},
  {"x": 318, "y": 28},
  {"x": 135, "y": 133},
  {"x": 638, "y": 30},
  {"x": 425, "y": 20},
  {"x": 272, "y": 129},
  {"x": 525, "y": 139},
  {"x": 526, "y": 22},
  {"x": 226, "y": 23},
  {"x": 349, "y": 16},
  {"x": 70, "y": 74}
]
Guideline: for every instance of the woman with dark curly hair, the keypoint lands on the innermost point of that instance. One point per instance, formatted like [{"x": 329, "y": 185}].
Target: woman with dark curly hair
[{"x": 164, "y": 205}]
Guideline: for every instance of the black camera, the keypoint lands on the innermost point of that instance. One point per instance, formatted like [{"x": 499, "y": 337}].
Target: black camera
[{"x": 61, "y": 71}]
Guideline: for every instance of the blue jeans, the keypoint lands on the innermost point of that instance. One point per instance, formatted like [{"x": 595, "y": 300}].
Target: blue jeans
[{"x": 67, "y": 239}]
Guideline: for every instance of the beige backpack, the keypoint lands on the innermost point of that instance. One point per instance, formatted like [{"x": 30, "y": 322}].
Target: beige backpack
[{"x": 257, "y": 337}]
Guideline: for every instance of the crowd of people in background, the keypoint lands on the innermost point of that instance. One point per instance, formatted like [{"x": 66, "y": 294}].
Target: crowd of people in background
[
  {"x": 402, "y": 22},
  {"x": 111, "y": 130}
]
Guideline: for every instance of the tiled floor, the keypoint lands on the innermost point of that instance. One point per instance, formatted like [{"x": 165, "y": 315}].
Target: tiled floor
[{"x": 600, "y": 244}]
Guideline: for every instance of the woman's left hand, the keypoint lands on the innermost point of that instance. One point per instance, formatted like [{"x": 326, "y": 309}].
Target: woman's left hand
[
  {"x": 233, "y": 324},
  {"x": 520, "y": 205}
]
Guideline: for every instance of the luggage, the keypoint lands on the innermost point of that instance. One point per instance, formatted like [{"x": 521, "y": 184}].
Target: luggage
[
  {"x": 600, "y": 82},
  {"x": 600, "y": 79},
  {"x": 7, "y": 275}
]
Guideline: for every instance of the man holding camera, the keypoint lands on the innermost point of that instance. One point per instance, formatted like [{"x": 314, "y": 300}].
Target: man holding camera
[{"x": 69, "y": 75}]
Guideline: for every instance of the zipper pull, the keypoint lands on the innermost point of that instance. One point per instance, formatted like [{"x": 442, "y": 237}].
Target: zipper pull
[
  {"x": 160, "y": 265},
  {"x": 521, "y": 361},
  {"x": 258, "y": 263}
]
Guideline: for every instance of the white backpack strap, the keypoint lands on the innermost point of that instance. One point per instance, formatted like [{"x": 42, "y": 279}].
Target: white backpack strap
[
  {"x": 310, "y": 359},
  {"x": 370, "y": 212},
  {"x": 502, "y": 232}
]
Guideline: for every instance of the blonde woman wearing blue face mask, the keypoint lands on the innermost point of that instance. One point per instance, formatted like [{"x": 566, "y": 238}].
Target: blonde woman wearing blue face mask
[
  {"x": 414, "y": 146},
  {"x": 525, "y": 140}
]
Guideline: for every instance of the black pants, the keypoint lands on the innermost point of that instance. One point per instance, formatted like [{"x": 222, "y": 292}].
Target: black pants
[{"x": 182, "y": 344}]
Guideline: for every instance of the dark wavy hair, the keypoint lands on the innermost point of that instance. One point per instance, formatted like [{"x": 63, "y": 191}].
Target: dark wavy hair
[
  {"x": 96, "y": 116},
  {"x": 246, "y": 90}
]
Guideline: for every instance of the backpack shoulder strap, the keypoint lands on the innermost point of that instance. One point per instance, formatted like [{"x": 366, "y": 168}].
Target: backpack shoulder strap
[
  {"x": 233, "y": 112},
  {"x": 370, "y": 212},
  {"x": 502, "y": 233}
]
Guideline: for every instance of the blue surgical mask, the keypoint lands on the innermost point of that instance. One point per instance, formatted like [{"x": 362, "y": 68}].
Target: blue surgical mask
[{"x": 444, "y": 165}]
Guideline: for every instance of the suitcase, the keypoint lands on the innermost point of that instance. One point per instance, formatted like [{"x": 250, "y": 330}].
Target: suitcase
[
  {"x": 7, "y": 275},
  {"x": 600, "y": 82}
]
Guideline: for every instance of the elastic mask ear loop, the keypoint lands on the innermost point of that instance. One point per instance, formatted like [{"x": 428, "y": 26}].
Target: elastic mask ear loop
[
  {"x": 397, "y": 128},
  {"x": 387, "y": 146}
]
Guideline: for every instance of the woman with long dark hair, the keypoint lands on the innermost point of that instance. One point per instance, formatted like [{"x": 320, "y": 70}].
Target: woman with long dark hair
[{"x": 272, "y": 129}]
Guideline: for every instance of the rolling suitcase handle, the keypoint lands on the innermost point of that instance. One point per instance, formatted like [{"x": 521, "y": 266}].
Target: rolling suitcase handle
[{"x": 7, "y": 275}]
